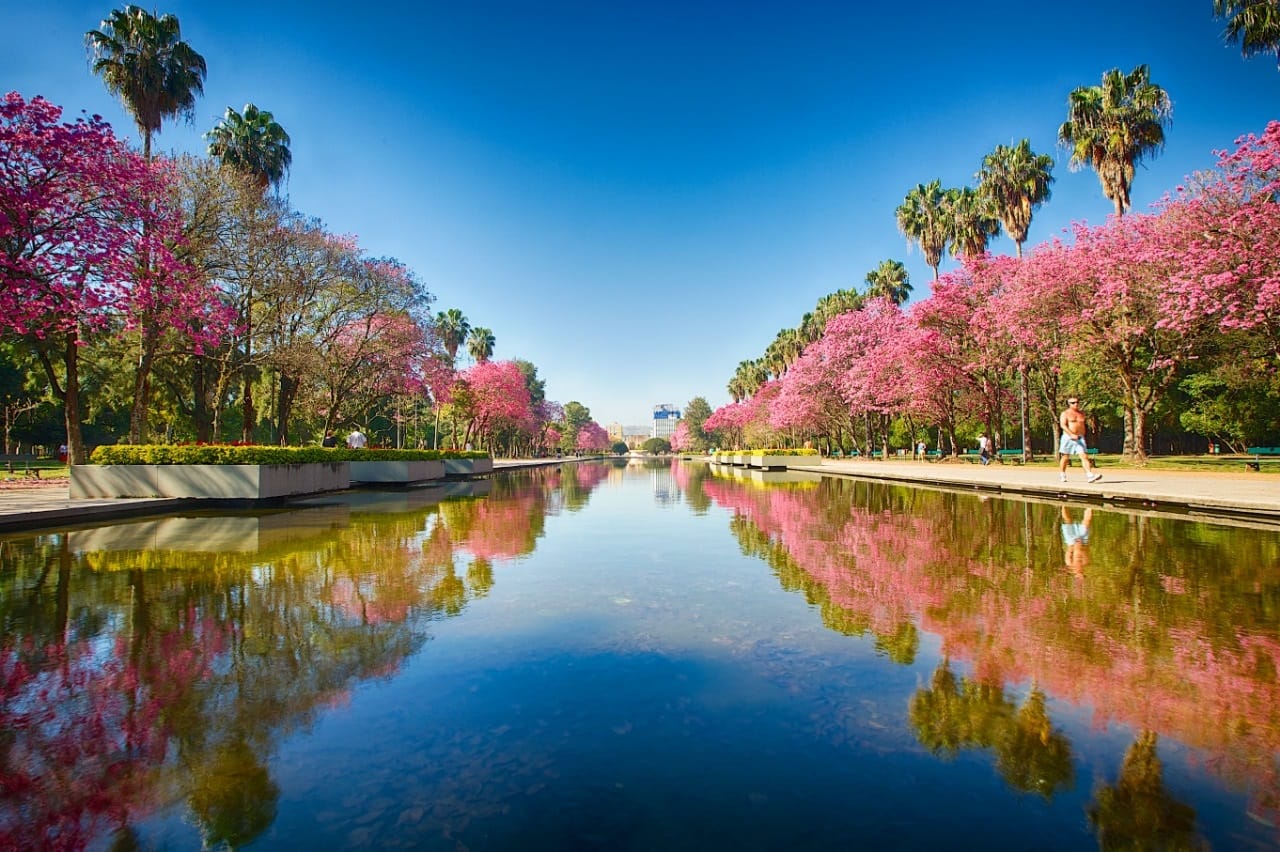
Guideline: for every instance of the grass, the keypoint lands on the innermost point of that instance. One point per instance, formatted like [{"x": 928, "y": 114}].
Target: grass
[{"x": 48, "y": 468}]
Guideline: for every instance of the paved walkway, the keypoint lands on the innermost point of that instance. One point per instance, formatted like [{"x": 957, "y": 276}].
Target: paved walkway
[
  {"x": 1233, "y": 493},
  {"x": 1239, "y": 492}
]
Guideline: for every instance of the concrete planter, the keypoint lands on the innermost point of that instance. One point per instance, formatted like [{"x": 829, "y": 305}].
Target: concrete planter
[
  {"x": 467, "y": 467},
  {"x": 769, "y": 462},
  {"x": 207, "y": 481},
  {"x": 739, "y": 459},
  {"x": 396, "y": 471}
]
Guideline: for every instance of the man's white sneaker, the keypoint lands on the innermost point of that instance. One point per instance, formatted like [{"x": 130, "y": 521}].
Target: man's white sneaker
[
  {"x": 1062, "y": 476},
  {"x": 1094, "y": 477}
]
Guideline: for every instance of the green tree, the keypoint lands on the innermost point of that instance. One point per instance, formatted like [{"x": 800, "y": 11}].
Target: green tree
[
  {"x": 480, "y": 344},
  {"x": 1253, "y": 24},
  {"x": 696, "y": 414},
  {"x": 889, "y": 280},
  {"x": 1113, "y": 126},
  {"x": 251, "y": 143},
  {"x": 971, "y": 222},
  {"x": 1015, "y": 180},
  {"x": 453, "y": 329},
  {"x": 923, "y": 219},
  {"x": 619, "y": 448},
  {"x": 656, "y": 446},
  {"x": 143, "y": 60},
  {"x": 576, "y": 415}
]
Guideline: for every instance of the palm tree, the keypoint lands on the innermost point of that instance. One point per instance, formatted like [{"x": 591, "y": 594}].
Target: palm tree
[
  {"x": 922, "y": 218},
  {"x": 889, "y": 280},
  {"x": 1016, "y": 181},
  {"x": 453, "y": 329},
  {"x": 144, "y": 61},
  {"x": 971, "y": 222},
  {"x": 480, "y": 344},
  {"x": 251, "y": 143},
  {"x": 1255, "y": 24},
  {"x": 1113, "y": 126}
]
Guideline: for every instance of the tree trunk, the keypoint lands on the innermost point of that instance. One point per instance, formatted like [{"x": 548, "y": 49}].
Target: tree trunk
[
  {"x": 142, "y": 388},
  {"x": 246, "y": 429},
  {"x": 71, "y": 401},
  {"x": 1024, "y": 406},
  {"x": 284, "y": 407}
]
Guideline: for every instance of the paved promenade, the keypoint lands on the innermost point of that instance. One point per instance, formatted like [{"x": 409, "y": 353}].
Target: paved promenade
[
  {"x": 1226, "y": 492},
  {"x": 1239, "y": 493}
]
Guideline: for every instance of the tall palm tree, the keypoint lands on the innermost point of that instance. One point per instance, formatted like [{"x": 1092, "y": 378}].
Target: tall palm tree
[
  {"x": 922, "y": 218},
  {"x": 251, "y": 143},
  {"x": 143, "y": 60},
  {"x": 453, "y": 329},
  {"x": 971, "y": 221},
  {"x": 1113, "y": 126},
  {"x": 890, "y": 280},
  {"x": 480, "y": 344},
  {"x": 1016, "y": 181},
  {"x": 1254, "y": 24}
]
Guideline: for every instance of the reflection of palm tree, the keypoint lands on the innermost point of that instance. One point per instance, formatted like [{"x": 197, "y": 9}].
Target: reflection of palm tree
[
  {"x": 1031, "y": 755},
  {"x": 144, "y": 61},
  {"x": 901, "y": 645},
  {"x": 938, "y": 715},
  {"x": 1137, "y": 812},
  {"x": 233, "y": 796}
]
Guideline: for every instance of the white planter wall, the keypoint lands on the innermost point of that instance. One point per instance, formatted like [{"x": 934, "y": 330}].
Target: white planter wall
[
  {"x": 207, "y": 481},
  {"x": 396, "y": 471}
]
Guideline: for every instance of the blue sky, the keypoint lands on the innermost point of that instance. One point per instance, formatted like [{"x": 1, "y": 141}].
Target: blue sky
[{"x": 637, "y": 196}]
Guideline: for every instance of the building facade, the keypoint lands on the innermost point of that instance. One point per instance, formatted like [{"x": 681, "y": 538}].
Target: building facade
[{"x": 665, "y": 418}]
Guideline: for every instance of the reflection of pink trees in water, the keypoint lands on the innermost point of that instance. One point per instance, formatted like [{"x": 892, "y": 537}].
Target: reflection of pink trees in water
[
  {"x": 985, "y": 577},
  {"x": 86, "y": 729}
]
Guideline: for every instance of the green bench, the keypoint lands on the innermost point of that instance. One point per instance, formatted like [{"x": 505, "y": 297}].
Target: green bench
[
  {"x": 933, "y": 454},
  {"x": 1261, "y": 454},
  {"x": 970, "y": 454},
  {"x": 1010, "y": 455}
]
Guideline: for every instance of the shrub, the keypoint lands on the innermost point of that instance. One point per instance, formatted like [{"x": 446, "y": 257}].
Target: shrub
[{"x": 229, "y": 454}]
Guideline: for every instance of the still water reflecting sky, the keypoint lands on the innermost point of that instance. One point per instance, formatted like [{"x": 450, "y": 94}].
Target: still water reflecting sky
[{"x": 624, "y": 657}]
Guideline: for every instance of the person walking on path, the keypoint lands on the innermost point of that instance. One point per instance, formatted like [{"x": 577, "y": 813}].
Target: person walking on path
[
  {"x": 1072, "y": 442},
  {"x": 984, "y": 449}
]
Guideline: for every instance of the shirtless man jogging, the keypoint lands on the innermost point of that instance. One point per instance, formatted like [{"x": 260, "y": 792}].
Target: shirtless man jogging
[{"x": 1072, "y": 423}]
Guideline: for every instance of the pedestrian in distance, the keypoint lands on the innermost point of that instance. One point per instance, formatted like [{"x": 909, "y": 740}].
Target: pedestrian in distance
[
  {"x": 1072, "y": 442},
  {"x": 329, "y": 439},
  {"x": 356, "y": 440},
  {"x": 984, "y": 449}
]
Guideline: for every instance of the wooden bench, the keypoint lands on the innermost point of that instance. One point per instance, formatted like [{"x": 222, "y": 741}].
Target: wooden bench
[
  {"x": 1010, "y": 455},
  {"x": 970, "y": 454},
  {"x": 932, "y": 455},
  {"x": 1261, "y": 454}
]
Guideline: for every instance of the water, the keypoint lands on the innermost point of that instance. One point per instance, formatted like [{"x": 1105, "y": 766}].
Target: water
[{"x": 642, "y": 657}]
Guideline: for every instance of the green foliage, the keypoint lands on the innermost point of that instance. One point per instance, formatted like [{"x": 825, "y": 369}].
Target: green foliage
[
  {"x": 772, "y": 451},
  {"x": 227, "y": 454},
  {"x": 656, "y": 446},
  {"x": 619, "y": 447}
]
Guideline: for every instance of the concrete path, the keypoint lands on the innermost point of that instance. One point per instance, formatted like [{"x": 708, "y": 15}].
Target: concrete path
[
  {"x": 1228, "y": 493},
  {"x": 1225, "y": 492}
]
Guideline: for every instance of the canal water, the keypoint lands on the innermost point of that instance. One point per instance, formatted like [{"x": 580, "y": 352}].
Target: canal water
[{"x": 643, "y": 656}]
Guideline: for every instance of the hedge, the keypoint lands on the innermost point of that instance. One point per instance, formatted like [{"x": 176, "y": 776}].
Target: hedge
[{"x": 235, "y": 454}]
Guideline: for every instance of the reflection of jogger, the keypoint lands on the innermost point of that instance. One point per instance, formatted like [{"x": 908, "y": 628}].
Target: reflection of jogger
[
  {"x": 1072, "y": 442},
  {"x": 1075, "y": 540}
]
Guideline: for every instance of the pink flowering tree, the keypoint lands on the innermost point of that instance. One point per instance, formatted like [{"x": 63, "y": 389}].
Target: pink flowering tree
[
  {"x": 681, "y": 440},
  {"x": 499, "y": 400},
  {"x": 87, "y": 229},
  {"x": 592, "y": 437}
]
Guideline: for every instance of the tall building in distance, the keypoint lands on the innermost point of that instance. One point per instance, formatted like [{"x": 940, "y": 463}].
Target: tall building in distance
[{"x": 665, "y": 418}]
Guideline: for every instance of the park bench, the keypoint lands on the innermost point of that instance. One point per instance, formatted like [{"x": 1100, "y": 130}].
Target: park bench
[
  {"x": 933, "y": 455},
  {"x": 970, "y": 454},
  {"x": 1261, "y": 454},
  {"x": 27, "y": 471},
  {"x": 875, "y": 454},
  {"x": 1013, "y": 455}
]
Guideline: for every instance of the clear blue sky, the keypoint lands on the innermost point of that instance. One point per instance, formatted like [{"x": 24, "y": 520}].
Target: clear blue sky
[{"x": 637, "y": 196}]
